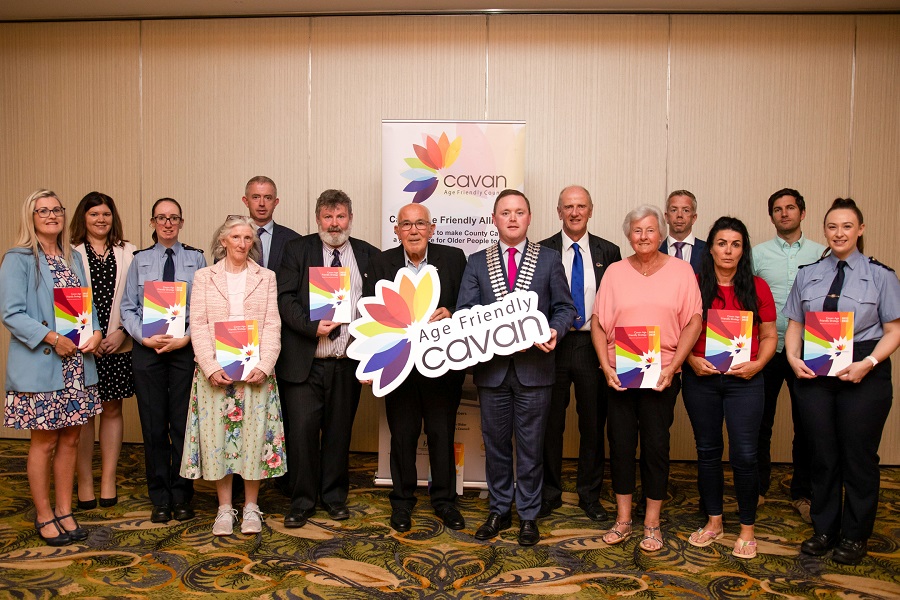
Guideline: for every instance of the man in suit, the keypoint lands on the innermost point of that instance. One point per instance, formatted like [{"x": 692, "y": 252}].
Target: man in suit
[
  {"x": 420, "y": 398},
  {"x": 515, "y": 390},
  {"x": 576, "y": 361},
  {"x": 681, "y": 214},
  {"x": 261, "y": 197},
  {"x": 317, "y": 381}
]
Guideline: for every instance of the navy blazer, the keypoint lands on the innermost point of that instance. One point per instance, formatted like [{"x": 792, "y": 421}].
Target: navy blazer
[
  {"x": 298, "y": 333},
  {"x": 534, "y": 367},
  {"x": 26, "y": 307},
  {"x": 281, "y": 235},
  {"x": 603, "y": 253},
  {"x": 697, "y": 253}
]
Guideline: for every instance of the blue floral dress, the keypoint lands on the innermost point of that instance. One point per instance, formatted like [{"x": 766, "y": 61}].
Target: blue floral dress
[
  {"x": 237, "y": 429},
  {"x": 74, "y": 403}
]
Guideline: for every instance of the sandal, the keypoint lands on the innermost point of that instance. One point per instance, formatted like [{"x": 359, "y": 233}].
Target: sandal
[
  {"x": 621, "y": 535},
  {"x": 78, "y": 534},
  {"x": 651, "y": 537},
  {"x": 60, "y": 540},
  {"x": 739, "y": 550},
  {"x": 697, "y": 540}
]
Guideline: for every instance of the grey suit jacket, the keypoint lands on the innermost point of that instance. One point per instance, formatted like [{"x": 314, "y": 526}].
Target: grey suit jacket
[{"x": 533, "y": 367}]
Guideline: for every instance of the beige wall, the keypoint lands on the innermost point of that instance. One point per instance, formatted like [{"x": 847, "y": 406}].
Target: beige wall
[{"x": 731, "y": 107}]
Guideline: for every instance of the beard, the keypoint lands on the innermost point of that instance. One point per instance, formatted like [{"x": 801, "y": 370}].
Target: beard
[{"x": 335, "y": 238}]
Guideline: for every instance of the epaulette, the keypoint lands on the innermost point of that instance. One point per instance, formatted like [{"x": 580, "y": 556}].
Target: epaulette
[
  {"x": 873, "y": 261},
  {"x": 186, "y": 247},
  {"x": 136, "y": 252},
  {"x": 815, "y": 263}
]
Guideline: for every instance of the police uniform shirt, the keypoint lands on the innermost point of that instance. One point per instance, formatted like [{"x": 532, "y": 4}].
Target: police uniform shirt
[
  {"x": 147, "y": 266},
  {"x": 871, "y": 291}
]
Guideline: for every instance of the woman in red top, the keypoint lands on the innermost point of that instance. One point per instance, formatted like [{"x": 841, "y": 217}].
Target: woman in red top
[{"x": 727, "y": 386}]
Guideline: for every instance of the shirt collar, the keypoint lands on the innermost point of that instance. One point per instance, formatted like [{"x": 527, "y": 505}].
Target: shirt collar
[
  {"x": 160, "y": 249},
  {"x": 782, "y": 243},
  {"x": 520, "y": 247},
  {"x": 424, "y": 260},
  {"x": 690, "y": 240},
  {"x": 268, "y": 227},
  {"x": 853, "y": 261},
  {"x": 567, "y": 241}
]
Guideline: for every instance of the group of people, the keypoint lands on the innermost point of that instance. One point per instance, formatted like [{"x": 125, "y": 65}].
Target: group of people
[{"x": 291, "y": 418}]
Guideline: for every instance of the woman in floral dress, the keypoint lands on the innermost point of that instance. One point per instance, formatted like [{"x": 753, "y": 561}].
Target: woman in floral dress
[
  {"x": 51, "y": 383},
  {"x": 234, "y": 425}
]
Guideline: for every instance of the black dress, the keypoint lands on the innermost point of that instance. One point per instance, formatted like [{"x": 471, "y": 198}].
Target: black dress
[{"x": 114, "y": 370}]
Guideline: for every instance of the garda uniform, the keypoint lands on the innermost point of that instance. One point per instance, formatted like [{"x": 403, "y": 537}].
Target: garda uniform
[
  {"x": 846, "y": 419},
  {"x": 162, "y": 381}
]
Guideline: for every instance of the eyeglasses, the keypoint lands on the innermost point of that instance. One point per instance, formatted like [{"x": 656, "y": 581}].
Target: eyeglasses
[
  {"x": 162, "y": 219},
  {"x": 44, "y": 212},
  {"x": 407, "y": 225}
]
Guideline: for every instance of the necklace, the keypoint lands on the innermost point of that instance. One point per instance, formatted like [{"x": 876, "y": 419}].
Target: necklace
[
  {"x": 101, "y": 255},
  {"x": 651, "y": 268}
]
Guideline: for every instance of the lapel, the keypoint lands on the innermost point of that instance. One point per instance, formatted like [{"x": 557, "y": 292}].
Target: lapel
[
  {"x": 46, "y": 275},
  {"x": 119, "y": 255},
  {"x": 274, "y": 247},
  {"x": 318, "y": 248},
  {"x": 597, "y": 259}
]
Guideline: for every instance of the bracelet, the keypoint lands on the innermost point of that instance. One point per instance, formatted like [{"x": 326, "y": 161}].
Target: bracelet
[
  {"x": 873, "y": 359},
  {"x": 56, "y": 341}
]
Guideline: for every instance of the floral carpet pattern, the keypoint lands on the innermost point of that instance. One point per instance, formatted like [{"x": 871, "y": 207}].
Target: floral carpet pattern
[{"x": 127, "y": 556}]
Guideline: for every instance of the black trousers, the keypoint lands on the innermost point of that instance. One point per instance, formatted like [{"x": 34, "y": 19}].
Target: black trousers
[
  {"x": 162, "y": 383},
  {"x": 648, "y": 414},
  {"x": 848, "y": 420},
  {"x": 577, "y": 363},
  {"x": 434, "y": 401},
  {"x": 321, "y": 411},
  {"x": 777, "y": 372}
]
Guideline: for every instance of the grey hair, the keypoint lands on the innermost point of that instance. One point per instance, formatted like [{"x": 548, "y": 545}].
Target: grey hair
[
  {"x": 218, "y": 250},
  {"x": 642, "y": 211}
]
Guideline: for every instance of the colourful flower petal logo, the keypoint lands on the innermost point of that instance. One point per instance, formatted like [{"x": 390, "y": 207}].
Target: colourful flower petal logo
[
  {"x": 431, "y": 158},
  {"x": 388, "y": 327}
]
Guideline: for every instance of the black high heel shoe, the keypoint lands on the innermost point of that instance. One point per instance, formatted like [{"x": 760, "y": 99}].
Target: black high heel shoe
[
  {"x": 107, "y": 502},
  {"x": 62, "y": 539},
  {"x": 87, "y": 504},
  {"x": 76, "y": 535}
]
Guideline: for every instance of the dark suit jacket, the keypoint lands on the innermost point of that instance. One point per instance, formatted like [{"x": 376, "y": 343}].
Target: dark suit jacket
[
  {"x": 298, "y": 333},
  {"x": 533, "y": 367},
  {"x": 450, "y": 263},
  {"x": 603, "y": 253},
  {"x": 697, "y": 253},
  {"x": 281, "y": 235}
]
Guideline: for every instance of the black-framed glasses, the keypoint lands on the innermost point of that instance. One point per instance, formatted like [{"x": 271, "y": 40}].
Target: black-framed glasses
[
  {"x": 407, "y": 225},
  {"x": 162, "y": 219},
  {"x": 44, "y": 212}
]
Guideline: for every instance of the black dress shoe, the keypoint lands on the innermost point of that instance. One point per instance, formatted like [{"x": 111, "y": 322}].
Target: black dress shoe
[
  {"x": 338, "y": 511},
  {"x": 88, "y": 504},
  {"x": 107, "y": 502},
  {"x": 78, "y": 534},
  {"x": 183, "y": 512},
  {"x": 451, "y": 517},
  {"x": 818, "y": 544},
  {"x": 528, "y": 533},
  {"x": 548, "y": 506},
  {"x": 594, "y": 511},
  {"x": 61, "y": 539},
  {"x": 298, "y": 518},
  {"x": 401, "y": 519},
  {"x": 494, "y": 524},
  {"x": 849, "y": 552},
  {"x": 161, "y": 514}
]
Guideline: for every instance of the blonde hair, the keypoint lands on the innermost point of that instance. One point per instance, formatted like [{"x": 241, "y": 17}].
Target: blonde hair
[
  {"x": 218, "y": 250},
  {"x": 28, "y": 236}
]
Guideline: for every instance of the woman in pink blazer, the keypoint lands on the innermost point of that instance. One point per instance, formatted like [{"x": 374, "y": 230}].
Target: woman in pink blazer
[
  {"x": 234, "y": 421},
  {"x": 96, "y": 233}
]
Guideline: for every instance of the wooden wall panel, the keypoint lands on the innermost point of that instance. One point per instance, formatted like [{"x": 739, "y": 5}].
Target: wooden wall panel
[
  {"x": 365, "y": 70},
  {"x": 592, "y": 90},
  {"x": 70, "y": 117},
  {"x": 224, "y": 100},
  {"x": 875, "y": 156}
]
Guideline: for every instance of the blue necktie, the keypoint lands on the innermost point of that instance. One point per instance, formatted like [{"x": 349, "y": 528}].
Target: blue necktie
[
  {"x": 578, "y": 286},
  {"x": 169, "y": 267}
]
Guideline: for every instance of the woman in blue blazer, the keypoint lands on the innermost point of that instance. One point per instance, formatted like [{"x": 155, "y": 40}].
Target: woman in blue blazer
[{"x": 51, "y": 384}]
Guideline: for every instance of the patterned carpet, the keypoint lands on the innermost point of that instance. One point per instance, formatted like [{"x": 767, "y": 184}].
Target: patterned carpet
[{"x": 126, "y": 556}]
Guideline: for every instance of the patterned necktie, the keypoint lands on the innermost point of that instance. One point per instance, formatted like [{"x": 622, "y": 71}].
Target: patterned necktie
[
  {"x": 834, "y": 292},
  {"x": 578, "y": 286},
  {"x": 169, "y": 267},
  {"x": 511, "y": 270},
  {"x": 262, "y": 251},
  {"x": 335, "y": 262},
  {"x": 678, "y": 247}
]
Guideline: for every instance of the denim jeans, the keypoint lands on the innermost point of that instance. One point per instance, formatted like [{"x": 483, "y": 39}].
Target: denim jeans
[{"x": 739, "y": 402}]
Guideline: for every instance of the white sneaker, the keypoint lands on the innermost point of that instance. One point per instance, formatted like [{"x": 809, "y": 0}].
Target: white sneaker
[
  {"x": 252, "y": 522},
  {"x": 225, "y": 520}
]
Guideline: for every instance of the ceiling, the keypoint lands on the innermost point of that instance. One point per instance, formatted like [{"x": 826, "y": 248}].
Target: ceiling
[{"x": 53, "y": 10}]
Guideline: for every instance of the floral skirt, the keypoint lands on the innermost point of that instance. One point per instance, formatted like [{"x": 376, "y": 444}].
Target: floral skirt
[{"x": 236, "y": 429}]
